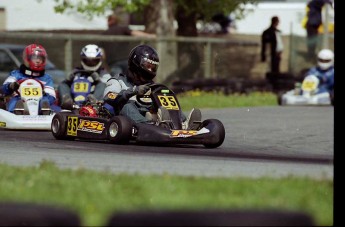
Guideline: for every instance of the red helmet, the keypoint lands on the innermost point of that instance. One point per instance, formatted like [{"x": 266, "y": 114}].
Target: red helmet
[{"x": 35, "y": 57}]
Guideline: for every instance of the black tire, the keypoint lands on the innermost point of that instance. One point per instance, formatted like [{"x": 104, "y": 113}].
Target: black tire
[
  {"x": 280, "y": 99},
  {"x": 216, "y": 127},
  {"x": 58, "y": 126},
  {"x": 119, "y": 129},
  {"x": 211, "y": 218},
  {"x": 33, "y": 214}
]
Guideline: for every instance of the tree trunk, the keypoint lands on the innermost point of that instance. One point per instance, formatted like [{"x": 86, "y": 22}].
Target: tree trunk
[
  {"x": 189, "y": 58},
  {"x": 160, "y": 20},
  {"x": 186, "y": 23}
]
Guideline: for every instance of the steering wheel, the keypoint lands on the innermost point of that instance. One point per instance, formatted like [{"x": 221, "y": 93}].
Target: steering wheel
[{"x": 145, "y": 99}]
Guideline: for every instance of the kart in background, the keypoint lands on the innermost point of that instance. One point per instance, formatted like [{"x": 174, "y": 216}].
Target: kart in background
[
  {"x": 81, "y": 87},
  {"x": 94, "y": 122},
  {"x": 11, "y": 58},
  {"x": 306, "y": 94},
  {"x": 31, "y": 116}
]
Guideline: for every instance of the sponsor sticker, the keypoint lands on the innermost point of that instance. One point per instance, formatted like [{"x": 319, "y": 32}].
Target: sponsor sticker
[
  {"x": 112, "y": 95},
  {"x": 91, "y": 126},
  {"x": 188, "y": 133},
  {"x": 183, "y": 133},
  {"x": 2, "y": 124}
]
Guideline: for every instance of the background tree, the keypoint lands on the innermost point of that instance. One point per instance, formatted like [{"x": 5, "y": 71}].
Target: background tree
[
  {"x": 185, "y": 12},
  {"x": 159, "y": 17}
]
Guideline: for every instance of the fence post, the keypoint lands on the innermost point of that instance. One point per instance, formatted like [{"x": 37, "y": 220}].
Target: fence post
[
  {"x": 68, "y": 55},
  {"x": 208, "y": 60}
]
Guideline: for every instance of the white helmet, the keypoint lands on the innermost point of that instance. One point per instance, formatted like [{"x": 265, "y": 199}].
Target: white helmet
[
  {"x": 325, "y": 59},
  {"x": 91, "y": 57}
]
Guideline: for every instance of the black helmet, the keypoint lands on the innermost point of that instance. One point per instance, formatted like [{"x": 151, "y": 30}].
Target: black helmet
[{"x": 144, "y": 61}]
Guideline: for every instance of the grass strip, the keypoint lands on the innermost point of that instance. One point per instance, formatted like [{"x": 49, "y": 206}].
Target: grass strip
[
  {"x": 214, "y": 99},
  {"x": 94, "y": 196}
]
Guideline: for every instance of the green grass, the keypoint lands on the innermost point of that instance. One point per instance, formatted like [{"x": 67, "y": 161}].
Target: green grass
[
  {"x": 96, "y": 195},
  {"x": 202, "y": 99}
]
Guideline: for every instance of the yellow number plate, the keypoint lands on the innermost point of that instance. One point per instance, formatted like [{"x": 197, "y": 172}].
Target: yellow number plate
[
  {"x": 169, "y": 102},
  {"x": 72, "y": 124},
  {"x": 31, "y": 91},
  {"x": 308, "y": 85},
  {"x": 81, "y": 87}
]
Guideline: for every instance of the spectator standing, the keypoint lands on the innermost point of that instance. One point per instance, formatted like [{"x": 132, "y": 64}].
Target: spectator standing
[
  {"x": 115, "y": 28},
  {"x": 223, "y": 21},
  {"x": 272, "y": 37},
  {"x": 118, "y": 51},
  {"x": 312, "y": 24}
]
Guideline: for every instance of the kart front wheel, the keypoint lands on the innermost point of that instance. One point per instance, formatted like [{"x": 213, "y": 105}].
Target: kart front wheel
[
  {"x": 280, "y": 99},
  {"x": 58, "y": 126},
  {"x": 119, "y": 129},
  {"x": 218, "y": 132}
]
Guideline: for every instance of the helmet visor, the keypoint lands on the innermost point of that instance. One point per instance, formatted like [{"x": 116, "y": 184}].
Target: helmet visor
[
  {"x": 324, "y": 60},
  {"x": 91, "y": 61},
  {"x": 149, "y": 65},
  {"x": 36, "y": 61},
  {"x": 37, "y": 57}
]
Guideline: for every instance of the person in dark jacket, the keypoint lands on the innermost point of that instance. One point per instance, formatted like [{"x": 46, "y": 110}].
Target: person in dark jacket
[
  {"x": 314, "y": 21},
  {"x": 122, "y": 89},
  {"x": 272, "y": 37}
]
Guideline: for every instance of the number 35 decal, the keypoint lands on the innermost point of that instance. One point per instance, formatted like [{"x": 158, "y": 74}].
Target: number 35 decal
[
  {"x": 168, "y": 102},
  {"x": 72, "y": 123}
]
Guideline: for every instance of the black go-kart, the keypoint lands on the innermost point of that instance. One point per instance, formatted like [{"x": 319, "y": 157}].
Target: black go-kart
[{"x": 94, "y": 122}]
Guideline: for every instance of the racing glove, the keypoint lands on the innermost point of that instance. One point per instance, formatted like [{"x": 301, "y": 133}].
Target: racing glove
[
  {"x": 323, "y": 79},
  {"x": 70, "y": 77},
  {"x": 95, "y": 76},
  {"x": 141, "y": 89},
  {"x": 13, "y": 86},
  {"x": 91, "y": 98}
]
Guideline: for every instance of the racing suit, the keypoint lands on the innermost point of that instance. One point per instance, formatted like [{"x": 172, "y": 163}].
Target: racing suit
[
  {"x": 121, "y": 96},
  {"x": 326, "y": 78},
  {"x": 95, "y": 78},
  {"x": 25, "y": 73}
]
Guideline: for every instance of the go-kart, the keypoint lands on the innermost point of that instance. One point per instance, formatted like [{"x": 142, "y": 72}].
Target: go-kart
[
  {"x": 306, "y": 94},
  {"x": 31, "y": 116},
  {"x": 81, "y": 87},
  {"x": 96, "y": 123}
]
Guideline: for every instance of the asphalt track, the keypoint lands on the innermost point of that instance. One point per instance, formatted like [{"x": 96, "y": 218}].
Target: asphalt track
[{"x": 260, "y": 141}]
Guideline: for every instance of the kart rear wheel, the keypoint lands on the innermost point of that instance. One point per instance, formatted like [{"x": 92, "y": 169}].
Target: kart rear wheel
[
  {"x": 119, "y": 130},
  {"x": 58, "y": 126},
  {"x": 217, "y": 128}
]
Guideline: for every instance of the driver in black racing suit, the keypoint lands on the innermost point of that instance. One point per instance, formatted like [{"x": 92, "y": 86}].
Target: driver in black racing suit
[{"x": 121, "y": 90}]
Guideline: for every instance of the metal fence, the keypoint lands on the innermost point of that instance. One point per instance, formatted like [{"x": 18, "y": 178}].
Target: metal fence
[{"x": 181, "y": 57}]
